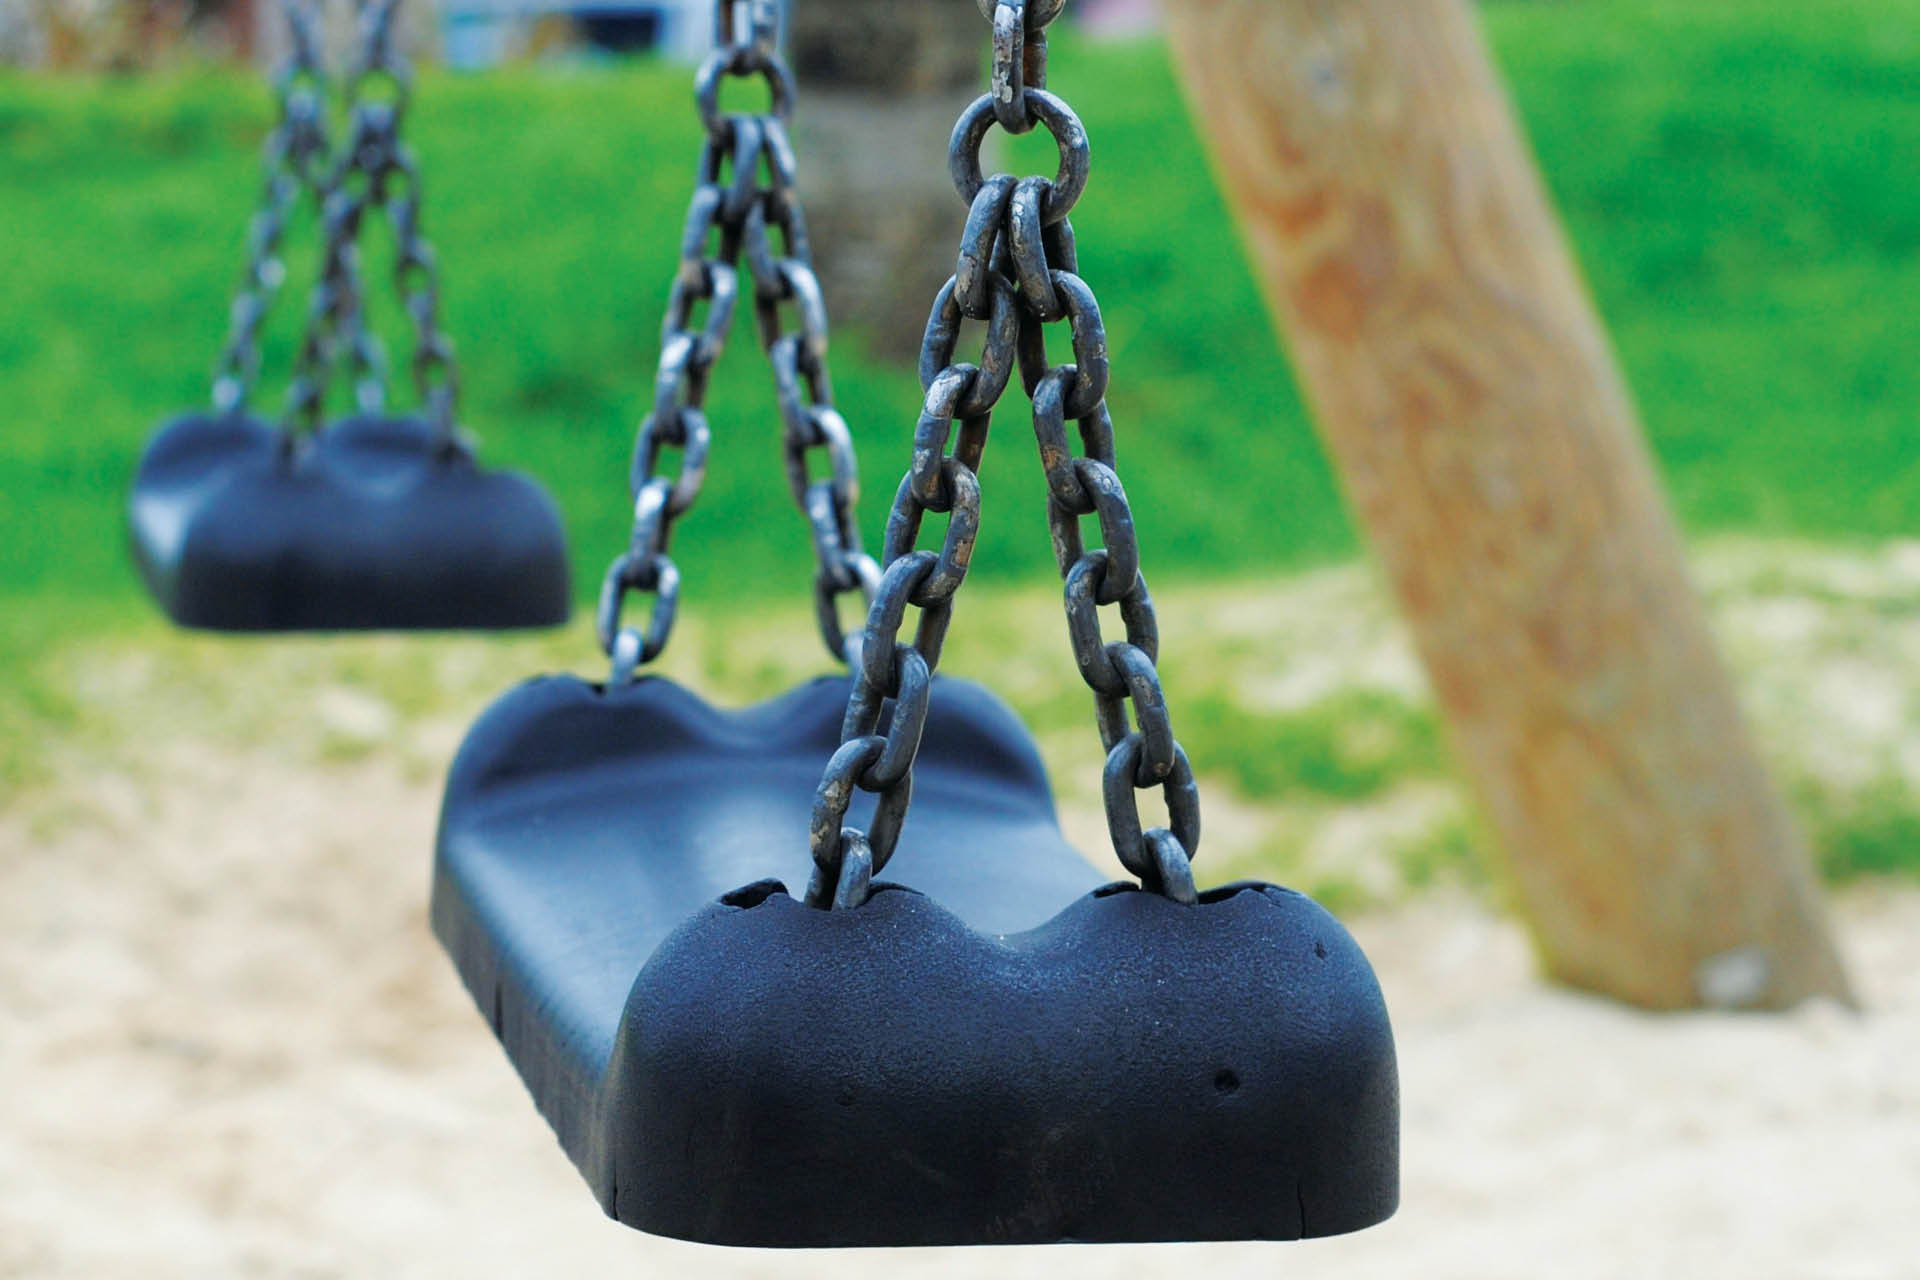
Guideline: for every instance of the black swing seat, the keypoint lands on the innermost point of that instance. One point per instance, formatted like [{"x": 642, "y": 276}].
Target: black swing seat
[
  {"x": 369, "y": 526},
  {"x": 1009, "y": 1051}
]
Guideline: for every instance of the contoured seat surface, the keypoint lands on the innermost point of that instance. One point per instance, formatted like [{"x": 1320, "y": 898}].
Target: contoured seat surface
[{"x": 1007, "y": 1051}]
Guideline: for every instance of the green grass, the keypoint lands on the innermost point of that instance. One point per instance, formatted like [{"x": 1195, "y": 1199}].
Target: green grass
[
  {"x": 556, "y": 199},
  {"x": 1873, "y": 833},
  {"x": 1351, "y": 745},
  {"x": 1734, "y": 177}
]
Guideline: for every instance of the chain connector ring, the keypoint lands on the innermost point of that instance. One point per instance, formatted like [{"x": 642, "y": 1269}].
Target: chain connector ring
[{"x": 1069, "y": 136}]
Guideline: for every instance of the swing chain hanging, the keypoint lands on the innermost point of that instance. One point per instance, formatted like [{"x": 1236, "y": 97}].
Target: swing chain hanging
[
  {"x": 335, "y": 317},
  {"x": 1017, "y": 272},
  {"x": 376, "y": 170},
  {"x": 296, "y": 152},
  {"x": 735, "y": 214}
]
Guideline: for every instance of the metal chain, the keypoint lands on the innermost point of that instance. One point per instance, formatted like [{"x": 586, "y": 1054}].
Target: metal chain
[
  {"x": 296, "y": 152},
  {"x": 752, "y": 23},
  {"x": 376, "y": 170},
  {"x": 744, "y": 201},
  {"x": 335, "y": 311},
  {"x": 1017, "y": 272}
]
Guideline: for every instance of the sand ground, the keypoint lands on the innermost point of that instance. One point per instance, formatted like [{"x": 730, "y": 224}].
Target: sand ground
[{"x": 229, "y": 1046}]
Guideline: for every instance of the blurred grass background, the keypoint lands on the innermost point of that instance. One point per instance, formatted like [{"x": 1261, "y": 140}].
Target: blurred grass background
[{"x": 1736, "y": 178}]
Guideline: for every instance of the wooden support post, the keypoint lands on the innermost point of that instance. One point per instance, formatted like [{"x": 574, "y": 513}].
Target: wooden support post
[{"x": 1464, "y": 385}]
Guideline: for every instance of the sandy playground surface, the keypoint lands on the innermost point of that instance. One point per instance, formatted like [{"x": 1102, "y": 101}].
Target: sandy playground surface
[{"x": 228, "y": 1046}]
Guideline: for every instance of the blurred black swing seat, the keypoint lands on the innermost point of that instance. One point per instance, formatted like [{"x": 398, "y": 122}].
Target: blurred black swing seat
[
  {"x": 381, "y": 521},
  {"x": 1009, "y": 1051},
  {"x": 373, "y": 522}
]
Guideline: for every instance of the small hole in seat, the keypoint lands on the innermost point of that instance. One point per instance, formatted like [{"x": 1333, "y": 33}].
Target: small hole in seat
[{"x": 1226, "y": 1081}]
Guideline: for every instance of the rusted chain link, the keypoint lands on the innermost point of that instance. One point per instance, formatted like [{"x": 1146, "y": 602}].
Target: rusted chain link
[
  {"x": 1016, "y": 271},
  {"x": 745, "y": 206}
]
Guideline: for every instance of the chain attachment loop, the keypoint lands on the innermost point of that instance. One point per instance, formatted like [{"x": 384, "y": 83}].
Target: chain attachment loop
[{"x": 1118, "y": 782}]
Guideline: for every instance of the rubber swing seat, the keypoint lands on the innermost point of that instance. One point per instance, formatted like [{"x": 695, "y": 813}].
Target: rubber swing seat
[
  {"x": 367, "y": 527},
  {"x": 1007, "y": 1052}
]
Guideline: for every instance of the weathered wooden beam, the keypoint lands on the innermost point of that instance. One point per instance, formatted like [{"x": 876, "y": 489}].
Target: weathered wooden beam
[{"x": 1463, "y": 382}]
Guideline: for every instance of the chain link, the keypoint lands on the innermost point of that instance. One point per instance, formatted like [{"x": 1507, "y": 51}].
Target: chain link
[
  {"x": 745, "y": 209},
  {"x": 751, "y": 23},
  {"x": 335, "y": 315},
  {"x": 1016, "y": 271},
  {"x": 376, "y": 170},
  {"x": 296, "y": 152}
]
